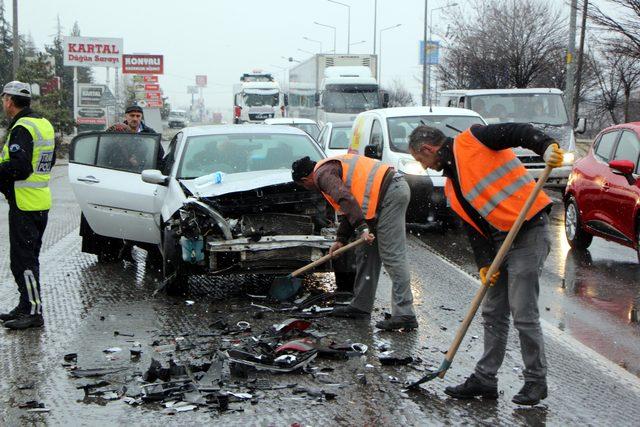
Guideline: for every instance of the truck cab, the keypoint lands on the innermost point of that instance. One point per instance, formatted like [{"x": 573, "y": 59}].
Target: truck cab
[
  {"x": 258, "y": 97},
  {"x": 544, "y": 108},
  {"x": 345, "y": 92}
]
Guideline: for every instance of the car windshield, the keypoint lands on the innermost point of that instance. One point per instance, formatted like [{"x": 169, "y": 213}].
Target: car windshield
[
  {"x": 539, "y": 108},
  {"x": 350, "y": 99},
  {"x": 243, "y": 152},
  {"x": 340, "y": 138},
  {"x": 310, "y": 128},
  {"x": 401, "y": 127},
  {"x": 259, "y": 99},
  {"x": 178, "y": 114}
]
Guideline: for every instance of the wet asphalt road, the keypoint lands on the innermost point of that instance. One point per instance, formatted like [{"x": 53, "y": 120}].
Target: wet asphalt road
[
  {"x": 593, "y": 296},
  {"x": 85, "y": 302}
]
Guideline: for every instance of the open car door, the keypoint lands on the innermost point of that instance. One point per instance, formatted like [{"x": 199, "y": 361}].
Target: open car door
[{"x": 104, "y": 172}]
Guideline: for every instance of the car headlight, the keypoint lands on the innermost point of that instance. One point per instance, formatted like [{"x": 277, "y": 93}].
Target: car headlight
[
  {"x": 411, "y": 167},
  {"x": 568, "y": 159}
]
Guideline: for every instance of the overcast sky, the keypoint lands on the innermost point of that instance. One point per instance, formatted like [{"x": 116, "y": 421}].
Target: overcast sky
[{"x": 224, "y": 38}]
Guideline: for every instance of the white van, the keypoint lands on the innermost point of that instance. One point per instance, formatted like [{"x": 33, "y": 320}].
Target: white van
[
  {"x": 384, "y": 135},
  {"x": 544, "y": 108}
]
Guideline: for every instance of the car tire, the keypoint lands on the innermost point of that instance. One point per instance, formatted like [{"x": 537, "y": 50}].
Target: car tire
[
  {"x": 638, "y": 238},
  {"x": 176, "y": 281},
  {"x": 576, "y": 236}
]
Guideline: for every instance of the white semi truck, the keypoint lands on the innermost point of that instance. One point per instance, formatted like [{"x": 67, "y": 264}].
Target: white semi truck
[
  {"x": 256, "y": 98},
  {"x": 334, "y": 88}
]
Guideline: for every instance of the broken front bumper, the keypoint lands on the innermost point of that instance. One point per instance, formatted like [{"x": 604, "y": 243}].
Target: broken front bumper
[{"x": 269, "y": 254}]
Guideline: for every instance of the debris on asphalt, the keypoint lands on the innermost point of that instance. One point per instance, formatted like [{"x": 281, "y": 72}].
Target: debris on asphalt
[
  {"x": 122, "y": 334},
  {"x": 33, "y": 406},
  {"x": 71, "y": 357},
  {"x": 112, "y": 350},
  {"x": 395, "y": 361}
]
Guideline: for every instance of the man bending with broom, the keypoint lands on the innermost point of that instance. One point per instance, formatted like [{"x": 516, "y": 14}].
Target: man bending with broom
[{"x": 487, "y": 186}]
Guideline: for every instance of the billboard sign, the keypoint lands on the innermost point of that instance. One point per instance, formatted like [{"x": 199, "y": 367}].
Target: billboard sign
[
  {"x": 92, "y": 116},
  {"x": 432, "y": 52},
  {"x": 192, "y": 89},
  {"x": 142, "y": 64},
  {"x": 201, "y": 81},
  {"x": 152, "y": 87},
  {"x": 90, "y": 95},
  {"x": 153, "y": 95},
  {"x": 92, "y": 51}
]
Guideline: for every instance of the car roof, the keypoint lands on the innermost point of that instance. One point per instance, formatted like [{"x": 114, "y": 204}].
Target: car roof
[
  {"x": 289, "y": 121},
  {"x": 341, "y": 124},
  {"x": 472, "y": 92},
  {"x": 630, "y": 125},
  {"x": 240, "y": 129},
  {"x": 423, "y": 111}
]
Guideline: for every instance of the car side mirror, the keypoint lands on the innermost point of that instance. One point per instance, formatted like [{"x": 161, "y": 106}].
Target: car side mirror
[
  {"x": 317, "y": 99},
  {"x": 385, "y": 100},
  {"x": 286, "y": 100},
  {"x": 624, "y": 168},
  {"x": 581, "y": 126},
  {"x": 154, "y": 176},
  {"x": 373, "y": 152}
]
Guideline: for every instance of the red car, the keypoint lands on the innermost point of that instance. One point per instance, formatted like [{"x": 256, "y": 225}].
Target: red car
[{"x": 602, "y": 197}]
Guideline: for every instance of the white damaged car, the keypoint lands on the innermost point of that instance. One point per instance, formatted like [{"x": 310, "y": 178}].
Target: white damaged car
[{"x": 222, "y": 201}]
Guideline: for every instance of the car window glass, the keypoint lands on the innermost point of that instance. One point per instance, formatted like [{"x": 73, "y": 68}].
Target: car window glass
[
  {"x": 605, "y": 145},
  {"x": 125, "y": 152},
  {"x": 170, "y": 157},
  {"x": 236, "y": 153},
  {"x": 84, "y": 150},
  {"x": 628, "y": 148},
  {"x": 322, "y": 138},
  {"x": 376, "y": 134},
  {"x": 401, "y": 127},
  {"x": 340, "y": 138}
]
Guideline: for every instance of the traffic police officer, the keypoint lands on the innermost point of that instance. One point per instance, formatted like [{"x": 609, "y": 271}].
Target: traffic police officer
[{"x": 26, "y": 160}]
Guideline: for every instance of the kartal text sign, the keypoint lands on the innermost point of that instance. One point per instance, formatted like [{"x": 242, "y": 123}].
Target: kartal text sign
[
  {"x": 92, "y": 51},
  {"x": 142, "y": 64}
]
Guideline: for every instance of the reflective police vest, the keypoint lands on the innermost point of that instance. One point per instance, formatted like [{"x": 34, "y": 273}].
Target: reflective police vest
[
  {"x": 494, "y": 182},
  {"x": 33, "y": 194},
  {"x": 363, "y": 176}
]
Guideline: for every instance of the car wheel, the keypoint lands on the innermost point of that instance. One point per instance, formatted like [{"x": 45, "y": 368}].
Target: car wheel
[
  {"x": 577, "y": 237},
  {"x": 176, "y": 281},
  {"x": 638, "y": 239}
]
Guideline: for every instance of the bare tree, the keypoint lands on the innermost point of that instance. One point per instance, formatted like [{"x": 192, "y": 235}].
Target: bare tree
[
  {"x": 505, "y": 43},
  {"x": 399, "y": 96},
  {"x": 621, "y": 17},
  {"x": 617, "y": 77}
]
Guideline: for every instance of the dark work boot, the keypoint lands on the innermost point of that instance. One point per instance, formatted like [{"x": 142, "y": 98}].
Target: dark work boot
[
  {"x": 10, "y": 315},
  {"x": 471, "y": 388},
  {"x": 24, "y": 321},
  {"x": 398, "y": 322},
  {"x": 349, "y": 312},
  {"x": 531, "y": 394}
]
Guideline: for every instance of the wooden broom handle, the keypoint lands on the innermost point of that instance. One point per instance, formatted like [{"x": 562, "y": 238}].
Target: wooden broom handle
[{"x": 327, "y": 257}]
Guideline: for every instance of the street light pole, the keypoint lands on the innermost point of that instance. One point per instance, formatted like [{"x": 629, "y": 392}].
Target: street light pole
[
  {"x": 429, "y": 39},
  {"x": 314, "y": 41},
  {"x": 569, "y": 85},
  {"x": 16, "y": 41},
  {"x": 380, "y": 57},
  {"x": 424, "y": 54},
  {"x": 348, "y": 21},
  {"x": 334, "y": 33},
  {"x": 375, "y": 24}
]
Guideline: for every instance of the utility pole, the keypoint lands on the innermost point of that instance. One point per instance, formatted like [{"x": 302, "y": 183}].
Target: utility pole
[
  {"x": 424, "y": 55},
  {"x": 16, "y": 41},
  {"x": 576, "y": 99},
  {"x": 569, "y": 80}
]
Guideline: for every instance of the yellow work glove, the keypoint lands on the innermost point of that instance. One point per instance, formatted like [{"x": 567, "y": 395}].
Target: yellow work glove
[
  {"x": 553, "y": 155},
  {"x": 483, "y": 276}
]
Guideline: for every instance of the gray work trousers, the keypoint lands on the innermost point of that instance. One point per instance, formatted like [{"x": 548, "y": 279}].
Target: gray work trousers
[
  {"x": 389, "y": 248},
  {"x": 516, "y": 293}
]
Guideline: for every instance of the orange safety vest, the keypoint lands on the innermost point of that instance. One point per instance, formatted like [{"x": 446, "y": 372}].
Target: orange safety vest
[
  {"x": 495, "y": 183},
  {"x": 363, "y": 176}
]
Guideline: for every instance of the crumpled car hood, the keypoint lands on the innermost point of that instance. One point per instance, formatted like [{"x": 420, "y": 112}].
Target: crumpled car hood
[{"x": 235, "y": 182}]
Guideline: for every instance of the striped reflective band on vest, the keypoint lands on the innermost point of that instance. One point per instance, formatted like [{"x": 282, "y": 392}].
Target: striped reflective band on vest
[
  {"x": 31, "y": 184},
  {"x": 473, "y": 196},
  {"x": 351, "y": 162}
]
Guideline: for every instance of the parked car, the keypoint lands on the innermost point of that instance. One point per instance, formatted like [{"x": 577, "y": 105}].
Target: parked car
[
  {"x": 384, "y": 134},
  {"x": 178, "y": 119},
  {"x": 307, "y": 125},
  {"x": 224, "y": 202},
  {"x": 602, "y": 197},
  {"x": 335, "y": 138}
]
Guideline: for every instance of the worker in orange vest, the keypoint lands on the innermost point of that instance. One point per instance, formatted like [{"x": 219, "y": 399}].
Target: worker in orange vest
[
  {"x": 372, "y": 198},
  {"x": 487, "y": 187}
]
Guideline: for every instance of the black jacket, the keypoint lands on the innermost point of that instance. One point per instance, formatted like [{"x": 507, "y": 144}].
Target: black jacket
[
  {"x": 496, "y": 137},
  {"x": 19, "y": 166},
  {"x": 161, "y": 153}
]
